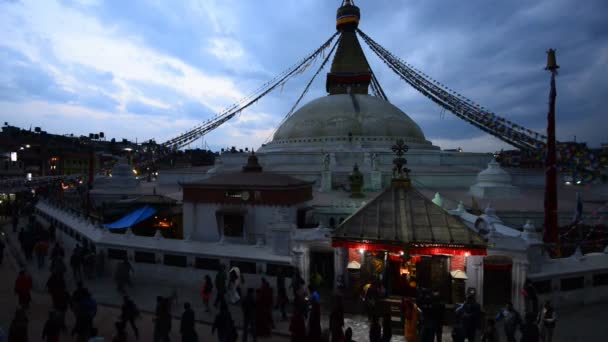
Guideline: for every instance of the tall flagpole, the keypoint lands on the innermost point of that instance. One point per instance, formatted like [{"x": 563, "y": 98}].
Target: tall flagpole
[{"x": 551, "y": 234}]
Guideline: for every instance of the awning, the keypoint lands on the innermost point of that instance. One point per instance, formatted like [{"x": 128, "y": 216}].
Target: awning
[{"x": 133, "y": 218}]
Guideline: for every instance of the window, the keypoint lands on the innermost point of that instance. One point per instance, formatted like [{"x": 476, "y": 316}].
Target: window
[
  {"x": 275, "y": 269},
  {"x": 244, "y": 266},
  {"x": 233, "y": 225},
  {"x": 543, "y": 286},
  {"x": 175, "y": 260},
  {"x": 207, "y": 264},
  {"x": 117, "y": 254},
  {"x": 600, "y": 279},
  {"x": 145, "y": 257},
  {"x": 569, "y": 284}
]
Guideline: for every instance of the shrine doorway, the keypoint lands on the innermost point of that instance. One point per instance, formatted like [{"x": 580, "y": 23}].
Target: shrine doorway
[{"x": 497, "y": 279}]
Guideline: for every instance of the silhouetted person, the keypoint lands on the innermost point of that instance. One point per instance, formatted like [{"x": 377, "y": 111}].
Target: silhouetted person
[
  {"x": 23, "y": 286},
  {"x": 282, "y": 299},
  {"x": 529, "y": 330},
  {"x": 314, "y": 322},
  {"x": 52, "y": 328},
  {"x": 206, "y": 291},
  {"x": 336, "y": 320},
  {"x": 248, "y": 305},
  {"x": 375, "y": 332},
  {"x": 471, "y": 314},
  {"x": 348, "y": 335},
  {"x": 162, "y": 324},
  {"x": 297, "y": 327},
  {"x": 120, "y": 335},
  {"x": 512, "y": 320},
  {"x": 490, "y": 334},
  {"x": 387, "y": 328},
  {"x": 437, "y": 317},
  {"x": 187, "y": 328},
  {"x": 220, "y": 286},
  {"x": 546, "y": 322},
  {"x": 129, "y": 313},
  {"x": 18, "y": 329}
]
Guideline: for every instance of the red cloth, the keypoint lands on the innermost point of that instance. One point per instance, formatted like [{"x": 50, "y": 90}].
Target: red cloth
[
  {"x": 297, "y": 327},
  {"x": 23, "y": 286},
  {"x": 263, "y": 308}
]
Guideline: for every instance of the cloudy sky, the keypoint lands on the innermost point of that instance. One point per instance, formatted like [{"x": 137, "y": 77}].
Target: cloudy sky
[{"x": 155, "y": 68}]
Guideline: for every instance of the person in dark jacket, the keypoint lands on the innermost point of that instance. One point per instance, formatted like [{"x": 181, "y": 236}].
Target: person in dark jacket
[
  {"x": 224, "y": 324},
  {"x": 336, "y": 320},
  {"x": 162, "y": 322},
  {"x": 297, "y": 327},
  {"x": 314, "y": 322},
  {"x": 187, "y": 323},
  {"x": 220, "y": 286},
  {"x": 512, "y": 320},
  {"x": 129, "y": 313},
  {"x": 121, "y": 334},
  {"x": 471, "y": 314},
  {"x": 248, "y": 305},
  {"x": 18, "y": 329},
  {"x": 52, "y": 328},
  {"x": 437, "y": 313},
  {"x": 375, "y": 332},
  {"x": 529, "y": 330},
  {"x": 387, "y": 328}
]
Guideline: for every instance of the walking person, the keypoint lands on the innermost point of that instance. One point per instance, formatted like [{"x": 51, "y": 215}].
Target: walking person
[
  {"x": 297, "y": 327},
  {"x": 23, "y": 286},
  {"x": 129, "y": 313},
  {"x": 18, "y": 330},
  {"x": 512, "y": 320},
  {"x": 437, "y": 317},
  {"x": 282, "y": 299},
  {"x": 387, "y": 327},
  {"x": 187, "y": 328},
  {"x": 530, "y": 296},
  {"x": 314, "y": 322},
  {"x": 471, "y": 315},
  {"x": 375, "y": 332},
  {"x": 248, "y": 305},
  {"x": 546, "y": 322},
  {"x": 206, "y": 291},
  {"x": 122, "y": 275},
  {"x": 336, "y": 320},
  {"x": 162, "y": 322},
  {"x": 529, "y": 329},
  {"x": 120, "y": 335},
  {"x": 224, "y": 325},
  {"x": 220, "y": 285},
  {"x": 52, "y": 328},
  {"x": 490, "y": 333}
]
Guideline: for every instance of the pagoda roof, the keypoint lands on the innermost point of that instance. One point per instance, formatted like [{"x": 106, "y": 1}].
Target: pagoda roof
[{"x": 401, "y": 218}]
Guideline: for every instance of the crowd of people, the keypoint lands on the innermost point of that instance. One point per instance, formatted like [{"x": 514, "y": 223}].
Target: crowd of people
[{"x": 256, "y": 304}]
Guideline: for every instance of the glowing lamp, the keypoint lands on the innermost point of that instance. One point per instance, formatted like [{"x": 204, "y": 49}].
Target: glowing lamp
[
  {"x": 401, "y": 253},
  {"x": 466, "y": 254},
  {"x": 361, "y": 250}
]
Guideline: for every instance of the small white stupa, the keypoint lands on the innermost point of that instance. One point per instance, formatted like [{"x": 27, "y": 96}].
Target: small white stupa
[{"x": 494, "y": 182}]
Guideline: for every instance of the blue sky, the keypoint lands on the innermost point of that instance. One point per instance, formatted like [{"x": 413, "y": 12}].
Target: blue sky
[{"x": 153, "y": 69}]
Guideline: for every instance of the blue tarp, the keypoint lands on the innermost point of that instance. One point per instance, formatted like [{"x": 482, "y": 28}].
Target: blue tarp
[{"x": 133, "y": 218}]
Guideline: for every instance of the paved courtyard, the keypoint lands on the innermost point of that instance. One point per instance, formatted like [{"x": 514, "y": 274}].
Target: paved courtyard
[{"x": 585, "y": 323}]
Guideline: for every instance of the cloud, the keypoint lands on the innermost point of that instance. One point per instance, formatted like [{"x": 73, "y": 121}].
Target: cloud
[{"x": 171, "y": 65}]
